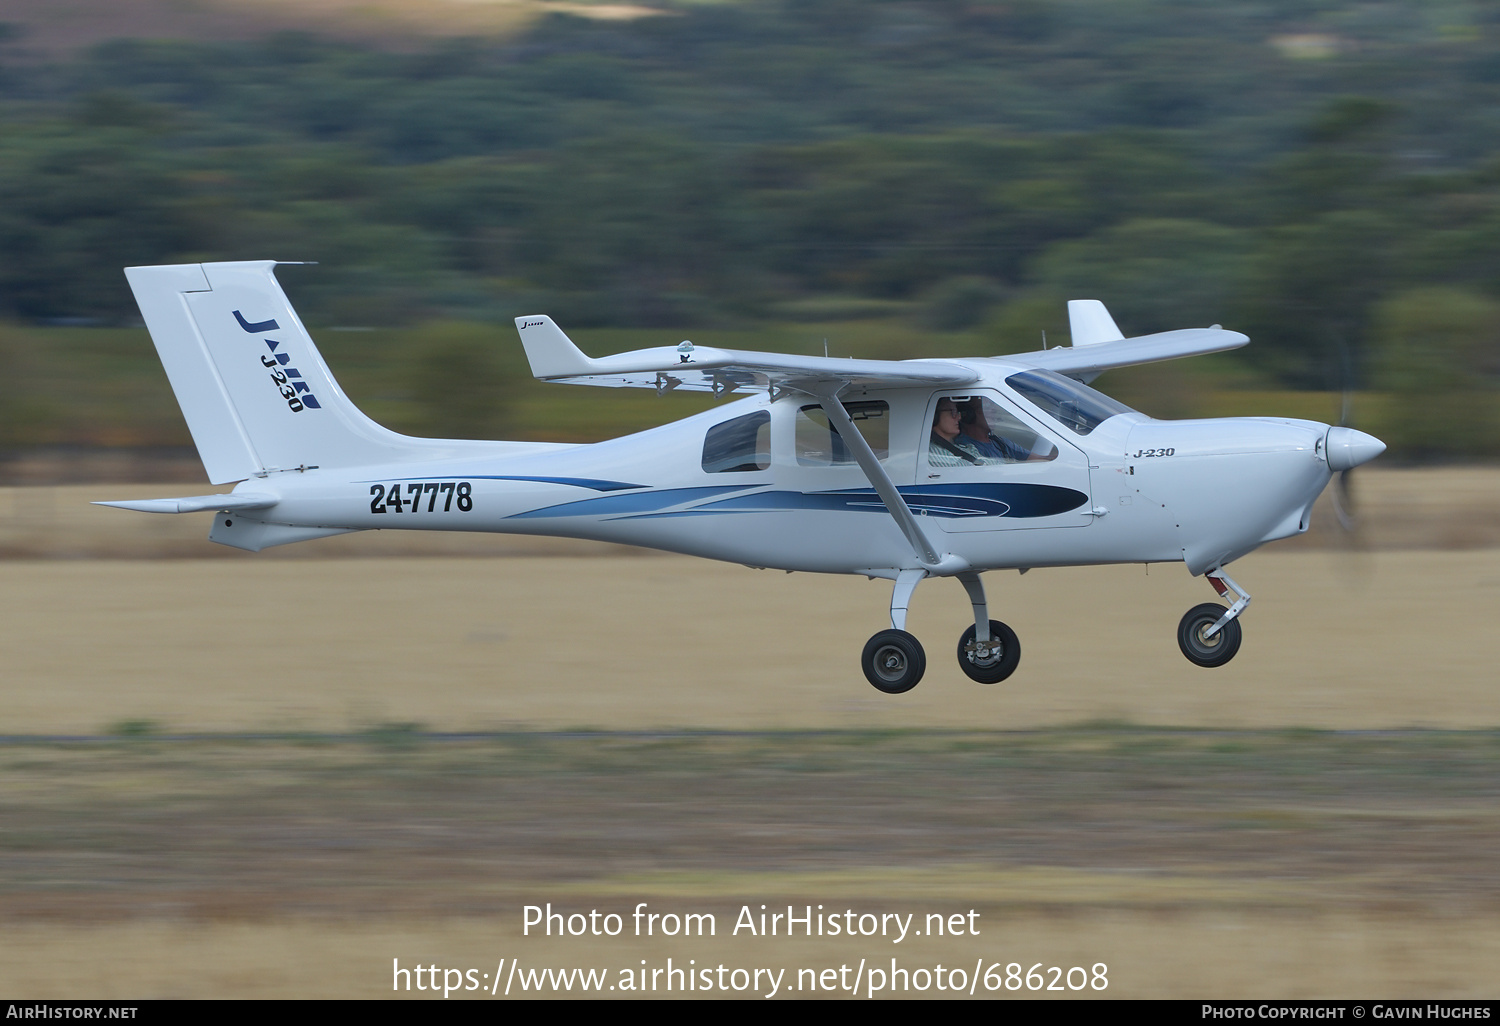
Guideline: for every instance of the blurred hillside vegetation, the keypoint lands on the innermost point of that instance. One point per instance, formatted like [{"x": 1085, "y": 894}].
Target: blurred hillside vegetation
[{"x": 900, "y": 179}]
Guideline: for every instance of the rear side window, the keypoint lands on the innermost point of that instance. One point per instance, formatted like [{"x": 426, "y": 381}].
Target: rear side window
[
  {"x": 738, "y": 445},
  {"x": 819, "y": 445}
]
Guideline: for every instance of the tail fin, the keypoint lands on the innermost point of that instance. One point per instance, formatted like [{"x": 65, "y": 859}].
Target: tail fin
[{"x": 256, "y": 394}]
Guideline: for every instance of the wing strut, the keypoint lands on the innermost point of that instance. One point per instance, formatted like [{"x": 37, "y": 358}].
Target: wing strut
[{"x": 885, "y": 488}]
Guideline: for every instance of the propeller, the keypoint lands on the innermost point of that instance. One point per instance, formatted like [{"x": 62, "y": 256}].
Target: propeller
[
  {"x": 1343, "y": 483},
  {"x": 1345, "y": 447},
  {"x": 1343, "y": 501}
]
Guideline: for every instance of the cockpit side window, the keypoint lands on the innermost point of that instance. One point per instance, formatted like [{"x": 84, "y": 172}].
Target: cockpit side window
[
  {"x": 819, "y": 445},
  {"x": 738, "y": 445},
  {"x": 976, "y": 431}
]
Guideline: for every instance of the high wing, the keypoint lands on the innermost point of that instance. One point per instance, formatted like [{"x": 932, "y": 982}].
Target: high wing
[
  {"x": 1087, "y": 362},
  {"x": 554, "y": 357},
  {"x": 1098, "y": 345}
]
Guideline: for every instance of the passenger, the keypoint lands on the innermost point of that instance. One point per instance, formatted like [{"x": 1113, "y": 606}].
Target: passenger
[
  {"x": 949, "y": 446},
  {"x": 976, "y": 429}
]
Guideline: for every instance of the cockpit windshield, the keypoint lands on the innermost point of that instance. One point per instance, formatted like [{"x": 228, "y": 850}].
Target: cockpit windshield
[{"x": 1073, "y": 404}]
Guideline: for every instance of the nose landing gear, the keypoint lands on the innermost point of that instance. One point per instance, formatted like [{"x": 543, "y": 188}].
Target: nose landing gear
[
  {"x": 1203, "y": 648},
  {"x": 1210, "y": 635}
]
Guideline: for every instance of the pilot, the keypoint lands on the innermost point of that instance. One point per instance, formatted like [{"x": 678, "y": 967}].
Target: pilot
[
  {"x": 975, "y": 428},
  {"x": 949, "y": 446}
]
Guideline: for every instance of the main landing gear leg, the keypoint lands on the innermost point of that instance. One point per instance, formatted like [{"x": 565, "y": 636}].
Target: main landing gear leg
[
  {"x": 1210, "y": 635},
  {"x": 893, "y": 660},
  {"x": 989, "y": 651}
]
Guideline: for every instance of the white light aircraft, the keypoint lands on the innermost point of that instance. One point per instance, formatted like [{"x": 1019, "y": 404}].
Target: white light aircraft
[{"x": 901, "y": 470}]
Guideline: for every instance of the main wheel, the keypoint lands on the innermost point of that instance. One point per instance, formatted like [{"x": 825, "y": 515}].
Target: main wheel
[
  {"x": 992, "y": 661},
  {"x": 894, "y": 661},
  {"x": 1214, "y": 651}
]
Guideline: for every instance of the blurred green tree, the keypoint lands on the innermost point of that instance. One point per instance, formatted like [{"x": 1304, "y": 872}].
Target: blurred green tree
[
  {"x": 1437, "y": 352},
  {"x": 960, "y": 303},
  {"x": 1153, "y": 274},
  {"x": 1308, "y": 291},
  {"x": 458, "y": 382}
]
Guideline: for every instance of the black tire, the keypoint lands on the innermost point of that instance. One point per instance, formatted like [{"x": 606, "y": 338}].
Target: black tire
[
  {"x": 1001, "y": 662},
  {"x": 894, "y": 662},
  {"x": 1214, "y": 651}
]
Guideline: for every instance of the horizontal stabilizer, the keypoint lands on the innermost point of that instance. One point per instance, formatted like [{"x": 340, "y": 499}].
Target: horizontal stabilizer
[
  {"x": 554, "y": 357},
  {"x": 1091, "y": 324},
  {"x": 196, "y": 503}
]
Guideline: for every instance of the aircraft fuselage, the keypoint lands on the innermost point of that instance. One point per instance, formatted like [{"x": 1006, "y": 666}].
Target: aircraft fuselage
[{"x": 1133, "y": 489}]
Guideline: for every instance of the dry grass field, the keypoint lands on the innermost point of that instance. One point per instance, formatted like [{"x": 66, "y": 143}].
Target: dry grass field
[
  {"x": 1248, "y": 865},
  {"x": 1200, "y": 831},
  {"x": 672, "y": 643}
]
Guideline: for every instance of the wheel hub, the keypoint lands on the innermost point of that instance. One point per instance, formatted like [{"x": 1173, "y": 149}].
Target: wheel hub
[
  {"x": 982, "y": 653},
  {"x": 1199, "y": 645},
  {"x": 890, "y": 662}
]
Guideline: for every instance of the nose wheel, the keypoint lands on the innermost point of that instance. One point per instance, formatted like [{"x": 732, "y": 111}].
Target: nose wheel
[
  {"x": 1210, "y": 635},
  {"x": 1203, "y": 648},
  {"x": 893, "y": 661}
]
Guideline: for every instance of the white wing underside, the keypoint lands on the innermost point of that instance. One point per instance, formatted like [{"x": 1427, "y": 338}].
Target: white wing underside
[
  {"x": 1087, "y": 361},
  {"x": 554, "y": 357},
  {"x": 730, "y": 371}
]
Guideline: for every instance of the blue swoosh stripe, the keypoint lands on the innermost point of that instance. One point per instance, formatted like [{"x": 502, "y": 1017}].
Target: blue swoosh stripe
[
  {"x": 1009, "y": 499},
  {"x": 1014, "y": 501},
  {"x": 636, "y": 502},
  {"x": 781, "y": 502},
  {"x": 577, "y": 482}
]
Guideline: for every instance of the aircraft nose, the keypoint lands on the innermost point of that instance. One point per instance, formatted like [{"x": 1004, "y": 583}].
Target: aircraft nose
[{"x": 1348, "y": 448}]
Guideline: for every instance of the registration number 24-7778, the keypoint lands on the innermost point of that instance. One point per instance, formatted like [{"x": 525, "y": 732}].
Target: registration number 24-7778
[{"x": 451, "y": 494}]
